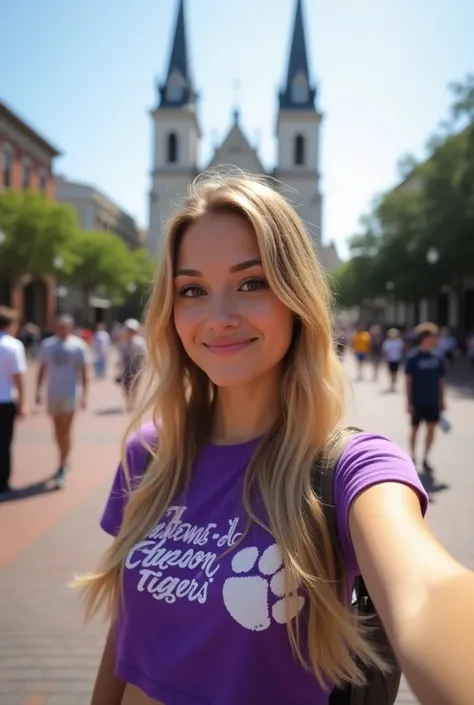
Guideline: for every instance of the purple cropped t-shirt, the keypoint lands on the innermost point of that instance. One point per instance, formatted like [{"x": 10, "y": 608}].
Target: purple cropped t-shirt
[{"x": 205, "y": 625}]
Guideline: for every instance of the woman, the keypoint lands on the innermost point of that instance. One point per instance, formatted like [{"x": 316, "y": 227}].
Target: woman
[
  {"x": 220, "y": 581},
  {"x": 376, "y": 343},
  {"x": 393, "y": 349}
]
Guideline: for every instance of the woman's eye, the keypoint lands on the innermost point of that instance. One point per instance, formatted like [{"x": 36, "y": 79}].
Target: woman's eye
[
  {"x": 254, "y": 284},
  {"x": 191, "y": 291}
]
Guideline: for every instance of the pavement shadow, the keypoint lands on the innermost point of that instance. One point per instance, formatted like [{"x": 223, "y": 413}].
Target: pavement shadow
[
  {"x": 34, "y": 490},
  {"x": 113, "y": 411},
  {"x": 431, "y": 485}
]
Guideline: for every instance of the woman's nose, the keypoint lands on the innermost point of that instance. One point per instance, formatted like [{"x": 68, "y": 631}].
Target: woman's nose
[{"x": 223, "y": 311}]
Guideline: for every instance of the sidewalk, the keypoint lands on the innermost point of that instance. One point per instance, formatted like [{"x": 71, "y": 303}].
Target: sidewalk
[{"x": 47, "y": 655}]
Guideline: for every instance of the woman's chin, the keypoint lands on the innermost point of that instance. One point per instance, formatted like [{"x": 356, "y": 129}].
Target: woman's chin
[{"x": 227, "y": 381}]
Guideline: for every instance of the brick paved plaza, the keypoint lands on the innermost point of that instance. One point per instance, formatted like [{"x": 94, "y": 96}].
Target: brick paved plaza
[{"x": 47, "y": 656}]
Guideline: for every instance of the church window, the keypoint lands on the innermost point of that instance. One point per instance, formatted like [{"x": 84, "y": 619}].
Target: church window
[
  {"x": 299, "y": 150},
  {"x": 43, "y": 181},
  {"x": 25, "y": 174},
  {"x": 172, "y": 148},
  {"x": 299, "y": 89},
  {"x": 7, "y": 162}
]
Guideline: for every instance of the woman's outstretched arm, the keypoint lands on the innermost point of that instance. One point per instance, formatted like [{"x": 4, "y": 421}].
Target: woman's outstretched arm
[{"x": 424, "y": 597}]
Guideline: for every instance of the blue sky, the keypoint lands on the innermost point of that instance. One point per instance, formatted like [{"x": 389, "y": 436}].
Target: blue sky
[{"x": 84, "y": 74}]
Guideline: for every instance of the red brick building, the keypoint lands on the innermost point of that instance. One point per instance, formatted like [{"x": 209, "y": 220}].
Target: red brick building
[{"x": 26, "y": 162}]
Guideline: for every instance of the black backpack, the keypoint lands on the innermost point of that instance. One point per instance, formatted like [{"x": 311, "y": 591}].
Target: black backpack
[{"x": 381, "y": 688}]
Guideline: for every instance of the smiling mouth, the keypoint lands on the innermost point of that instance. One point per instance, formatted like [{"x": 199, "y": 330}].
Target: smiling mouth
[{"x": 222, "y": 347}]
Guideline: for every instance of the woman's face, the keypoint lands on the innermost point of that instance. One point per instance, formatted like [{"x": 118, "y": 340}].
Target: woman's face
[{"x": 229, "y": 321}]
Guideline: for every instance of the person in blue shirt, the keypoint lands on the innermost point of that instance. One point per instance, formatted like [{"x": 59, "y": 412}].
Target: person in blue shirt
[{"x": 425, "y": 372}]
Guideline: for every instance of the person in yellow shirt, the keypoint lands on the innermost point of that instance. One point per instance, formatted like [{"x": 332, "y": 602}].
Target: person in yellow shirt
[{"x": 361, "y": 344}]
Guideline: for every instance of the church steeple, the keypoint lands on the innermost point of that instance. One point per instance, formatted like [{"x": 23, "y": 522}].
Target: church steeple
[
  {"x": 178, "y": 91},
  {"x": 298, "y": 92}
]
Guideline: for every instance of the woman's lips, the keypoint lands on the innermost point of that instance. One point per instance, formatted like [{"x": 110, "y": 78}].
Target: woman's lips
[{"x": 226, "y": 347}]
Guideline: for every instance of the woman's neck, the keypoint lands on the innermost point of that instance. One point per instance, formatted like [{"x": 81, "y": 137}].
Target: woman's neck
[{"x": 246, "y": 411}]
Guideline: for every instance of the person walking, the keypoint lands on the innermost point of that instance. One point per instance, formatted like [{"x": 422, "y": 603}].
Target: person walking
[
  {"x": 425, "y": 371},
  {"x": 100, "y": 345},
  {"x": 63, "y": 361},
  {"x": 133, "y": 353},
  {"x": 393, "y": 350},
  {"x": 361, "y": 343},
  {"x": 12, "y": 390},
  {"x": 216, "y": 511},
  {"x": 376, "y": 344}
]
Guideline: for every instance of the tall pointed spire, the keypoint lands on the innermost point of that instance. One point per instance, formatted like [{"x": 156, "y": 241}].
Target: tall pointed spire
[
  {"x": 298, "y": 92},
  {"x": 178, "y": 90}
]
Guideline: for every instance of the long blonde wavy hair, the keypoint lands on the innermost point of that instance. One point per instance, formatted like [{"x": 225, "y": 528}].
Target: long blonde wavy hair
[{"x": 180, "y": 397}]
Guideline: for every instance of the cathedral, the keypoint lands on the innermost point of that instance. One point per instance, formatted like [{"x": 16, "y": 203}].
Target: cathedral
[{"x": 177, "y": 135}]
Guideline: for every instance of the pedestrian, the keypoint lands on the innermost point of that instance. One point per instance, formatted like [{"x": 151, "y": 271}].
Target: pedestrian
[
  {"x": 12, "y": 390},
  {"x": 132, "y": 352},
  {"x": 341, "y": 342},
  {"x": 447, "y": 345},
  {"x": 63, "y": 361},
  {"x": 393, "y": 351},
  {"x": 425, "y": 371},
  {"x": 222, "y": 582},
  {"x": 376, "y": 344},
  {"x": 100, "y": 347},
  {"x": 361, "y": 343}
]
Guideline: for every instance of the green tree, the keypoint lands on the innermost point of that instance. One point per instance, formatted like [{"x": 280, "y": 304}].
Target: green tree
[
  {"x": 144, "y": 267},
  {"x": 432, "y": 208},
  {"x": 35, "y": 233},
  {"x": 103, "y": 265}
]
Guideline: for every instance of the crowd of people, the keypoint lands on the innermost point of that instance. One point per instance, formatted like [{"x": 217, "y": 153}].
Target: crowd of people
[
  {"x": 424, "y": 354},
  {"x": 63, "y": 360},
  {"x": 374, "y": 345}
]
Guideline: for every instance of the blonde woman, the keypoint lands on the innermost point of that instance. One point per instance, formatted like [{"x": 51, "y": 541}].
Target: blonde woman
[{"x": 220, "y": 581}]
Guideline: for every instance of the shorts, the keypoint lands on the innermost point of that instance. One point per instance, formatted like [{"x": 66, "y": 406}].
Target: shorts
[
  {"x": 393, "y": 366},
  {"x": 429, "y": 414},
  {"x": 362, "y": 357},
  {"x": 56, "y": 407}
]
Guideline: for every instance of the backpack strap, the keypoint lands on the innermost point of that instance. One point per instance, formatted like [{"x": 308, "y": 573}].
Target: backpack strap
[{"x": 327, "y": 473}]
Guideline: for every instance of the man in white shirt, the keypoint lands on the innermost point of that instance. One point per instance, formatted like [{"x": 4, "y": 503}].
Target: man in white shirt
[{"x": 12, "y": 372}]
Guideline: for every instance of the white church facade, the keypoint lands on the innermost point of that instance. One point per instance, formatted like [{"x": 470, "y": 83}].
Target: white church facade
[{"x": 177, "y": 137}]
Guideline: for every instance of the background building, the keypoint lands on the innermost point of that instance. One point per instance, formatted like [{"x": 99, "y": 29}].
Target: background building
[
  {"x": 95, "y": 211},
  {"x": 98, "y": 212},
  {"x": 177, "y": 137},
  {"x": 26, "y": 162}
]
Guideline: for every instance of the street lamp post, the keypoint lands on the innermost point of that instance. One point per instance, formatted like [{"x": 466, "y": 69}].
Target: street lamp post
[
  {"x": 432, "y": 257},
  {"x": 61, "y": 291},
  {"x": 390, "y": 287}
]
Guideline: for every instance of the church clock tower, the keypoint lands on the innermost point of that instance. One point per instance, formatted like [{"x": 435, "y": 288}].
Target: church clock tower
[
  {"x": 176, "y": 135},
  {"x": 298, "y": 125}
]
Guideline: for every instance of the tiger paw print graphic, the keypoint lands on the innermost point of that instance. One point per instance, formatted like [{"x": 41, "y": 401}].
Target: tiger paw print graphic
[{"x": 257, "y": 596}]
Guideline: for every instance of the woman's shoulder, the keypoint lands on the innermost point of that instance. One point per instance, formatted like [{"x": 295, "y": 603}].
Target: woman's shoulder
[
  {"x": 138, "y": 445},
  {"x": 370, "y": 458}
]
